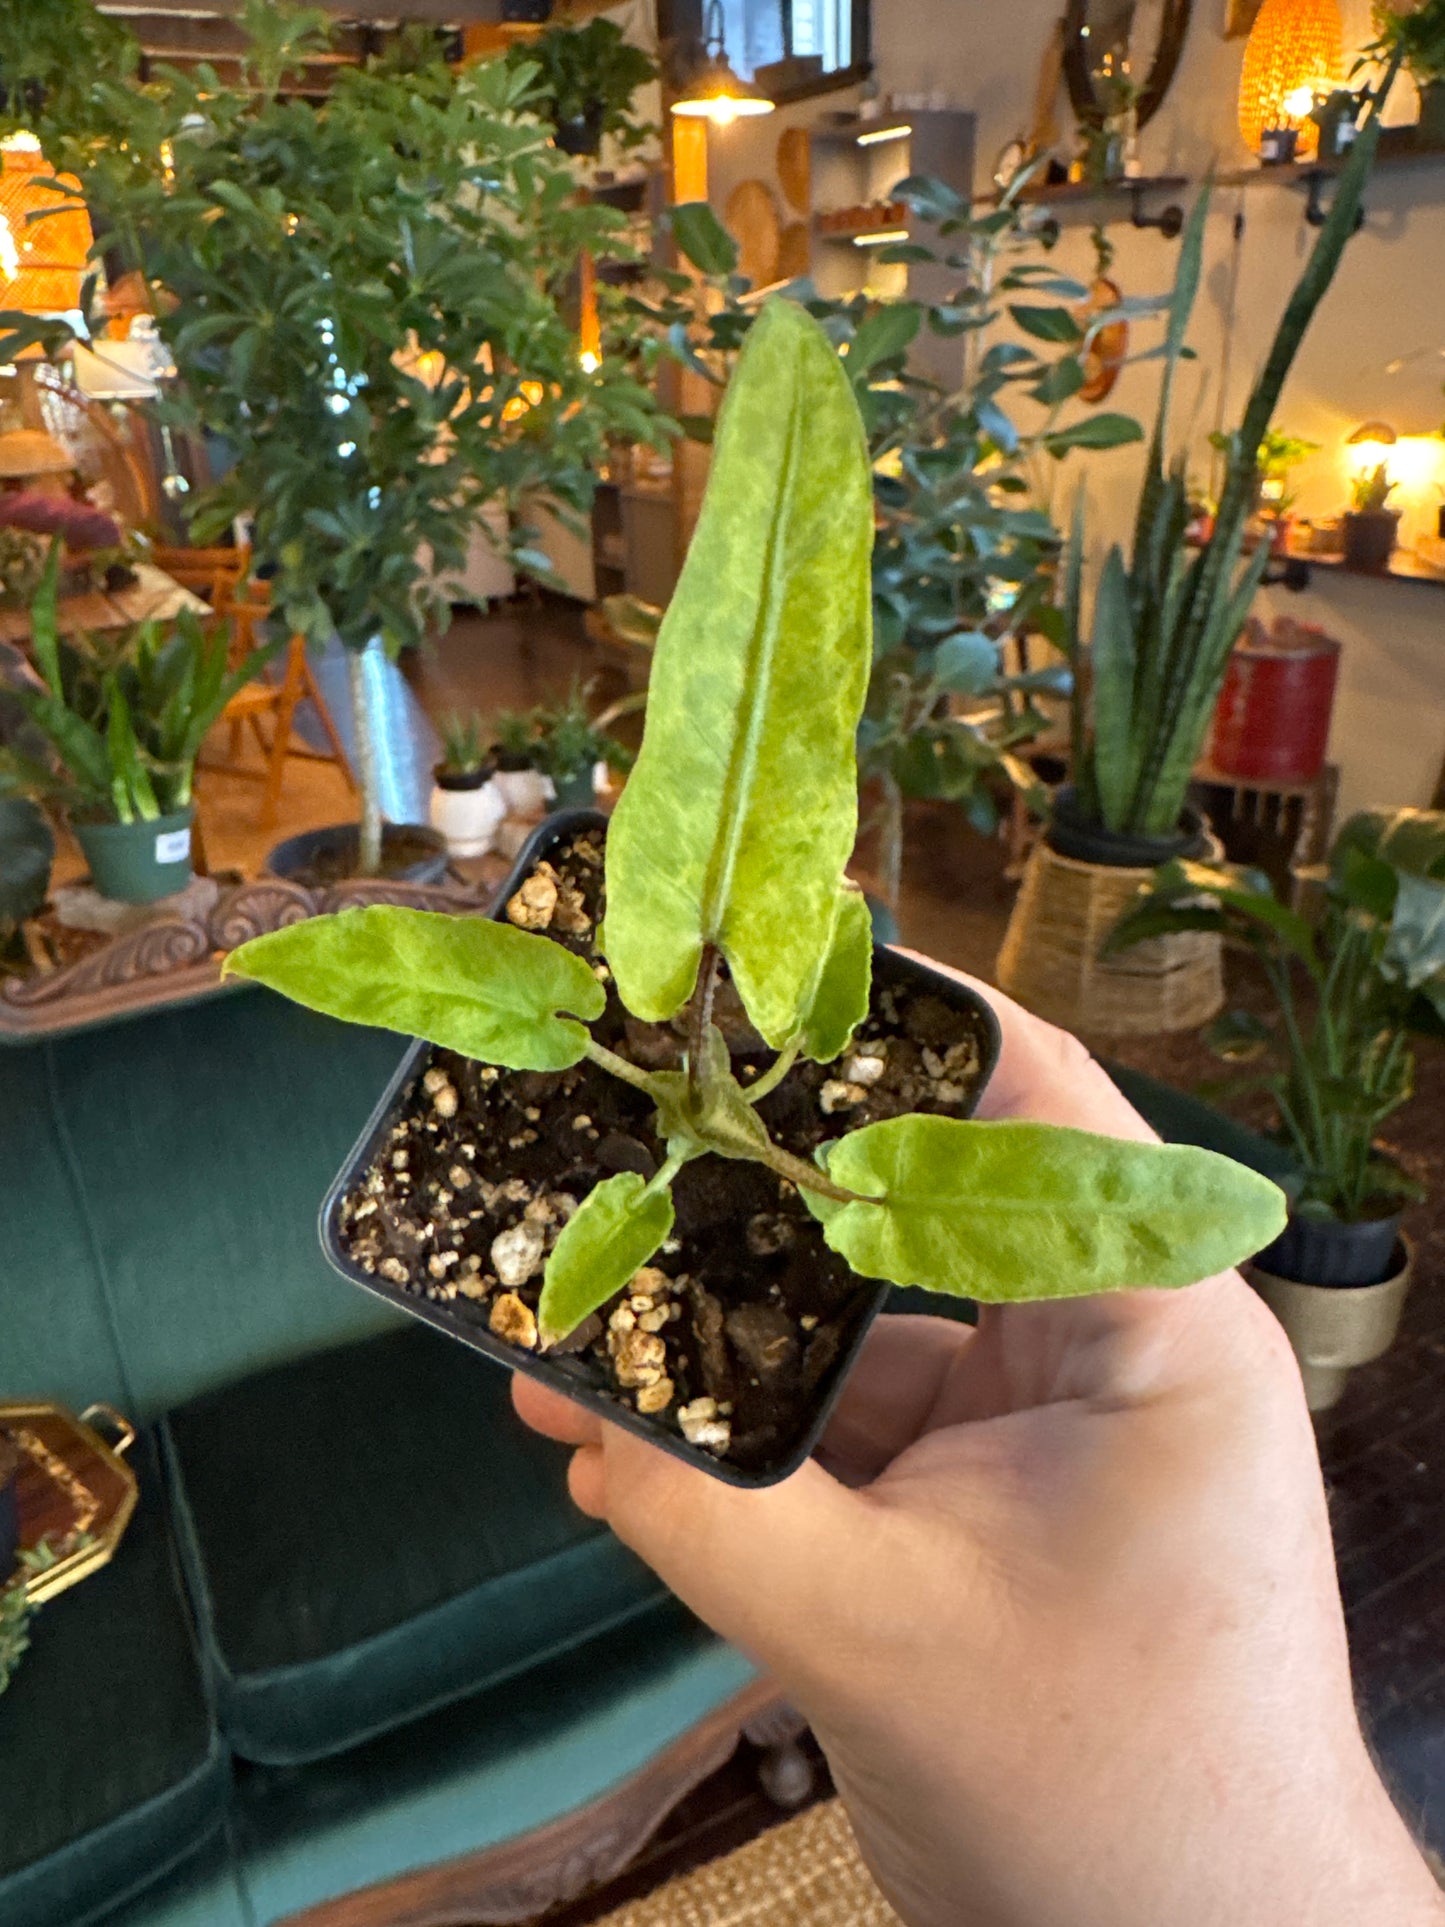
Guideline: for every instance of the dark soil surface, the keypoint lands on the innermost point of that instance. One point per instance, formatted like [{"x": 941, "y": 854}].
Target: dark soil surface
[
  {"x": 731, "y": 1336},
  {"x": 401, "y": 848}
]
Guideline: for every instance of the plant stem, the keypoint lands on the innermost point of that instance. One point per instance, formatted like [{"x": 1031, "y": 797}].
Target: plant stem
[
  {"x": 608, "y": 1060},
  {"x": 369, "y": 856},
  {"x": 808, "y": 1177},
  {"x": 770, "y": 1079},
  {"x": 700, "y": 1015},
  {"x": 890, "y": 835}
]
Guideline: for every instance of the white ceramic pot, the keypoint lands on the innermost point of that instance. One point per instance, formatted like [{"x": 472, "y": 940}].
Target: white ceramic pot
[
  {"x": 525, "y": 792},
  {"x": 468, "y": 819}
]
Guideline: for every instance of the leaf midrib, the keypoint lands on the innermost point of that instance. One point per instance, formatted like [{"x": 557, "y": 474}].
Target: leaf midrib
[{"x": 757, "y": 671}]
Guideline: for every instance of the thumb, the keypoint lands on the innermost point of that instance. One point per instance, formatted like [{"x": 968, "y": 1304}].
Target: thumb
[{"x": 769, "y": 1570}]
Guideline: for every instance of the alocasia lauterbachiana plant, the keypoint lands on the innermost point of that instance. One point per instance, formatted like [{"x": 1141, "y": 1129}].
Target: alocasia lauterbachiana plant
[{"x": 728, "y": 848}]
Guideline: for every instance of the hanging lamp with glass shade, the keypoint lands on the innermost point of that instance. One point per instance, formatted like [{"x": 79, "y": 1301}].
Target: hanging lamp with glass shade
[
  {"x": 1295, "y": 51},
  {"x": 715, "y": 92}
]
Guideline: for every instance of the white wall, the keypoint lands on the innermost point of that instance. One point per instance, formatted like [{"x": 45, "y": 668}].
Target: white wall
[{"x": 1375, "y": 350}]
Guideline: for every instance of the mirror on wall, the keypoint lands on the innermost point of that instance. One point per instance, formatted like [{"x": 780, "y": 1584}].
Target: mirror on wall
[{"x": 1117, "y": 49}]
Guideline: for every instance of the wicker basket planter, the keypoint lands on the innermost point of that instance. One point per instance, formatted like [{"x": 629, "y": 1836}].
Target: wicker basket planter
[{"x": 1051, "y": 963}]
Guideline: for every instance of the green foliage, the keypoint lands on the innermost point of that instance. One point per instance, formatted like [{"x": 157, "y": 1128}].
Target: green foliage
[
  {"x": 124, "y": 714},
  {"x": 466, "y": 744},
  {"x": 560, "y": 739},
  {"x": 963, "y": 548},
  {"x": 1002, "y": 1211},
  {"x": 27, "y": 850},
  {"x": 839, "y": 1003},
  {"x": 733, "y": 831},
  {"x": 607, "y": 1241},
  {"x": 52, "y": 52},
  {"x": 481, "y": 988},
  {"x": 1338, "y": 1060},
  {"x": 22, "y": 564},
  {"x": 1371, "y": 491},
  {"x": 587, "y": 74},
  {"x": 1418, "y": 34},
  {"x": 1165, "y": 622}
]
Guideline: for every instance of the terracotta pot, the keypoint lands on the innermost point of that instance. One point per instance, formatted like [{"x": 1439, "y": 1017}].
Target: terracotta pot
[{"x": 1334, "y": 1328}]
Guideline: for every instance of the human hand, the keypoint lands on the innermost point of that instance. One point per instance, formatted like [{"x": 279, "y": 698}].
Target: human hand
[{"x": 1057, "y": 1598}]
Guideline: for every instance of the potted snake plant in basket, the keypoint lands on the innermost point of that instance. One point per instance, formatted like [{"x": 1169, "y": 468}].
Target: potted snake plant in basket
[
  {"x": 123, "y": 716},
  {"x": 1146, "y": 681},
  {"x": 673, "y": 1120},
  {"x": 1336, "y": 1061}
]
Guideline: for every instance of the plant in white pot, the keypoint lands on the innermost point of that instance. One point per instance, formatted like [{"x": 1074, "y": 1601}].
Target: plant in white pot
[
  {"x": 1148, "y": 668},
  {"x": 366, "y": 298},
  {"x": 123, "y": 716},
  {"x": 551, "y": 754},
  {"x": 1336, "y": 1061},
  {"x": 467, "y": 806}
]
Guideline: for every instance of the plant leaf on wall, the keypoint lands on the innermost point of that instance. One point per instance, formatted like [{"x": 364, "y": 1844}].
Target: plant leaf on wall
[
  {"x": 741, "y": 812},
  {"x": 996, "y": 1211},
  {"x": 485, "y": 989}
]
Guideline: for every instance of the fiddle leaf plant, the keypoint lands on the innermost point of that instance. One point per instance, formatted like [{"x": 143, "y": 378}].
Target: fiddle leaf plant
[{"x": 728, "y": 849}]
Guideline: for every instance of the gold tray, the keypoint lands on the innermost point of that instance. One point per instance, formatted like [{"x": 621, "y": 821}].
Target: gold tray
[{"x": 75, "y": 1491}]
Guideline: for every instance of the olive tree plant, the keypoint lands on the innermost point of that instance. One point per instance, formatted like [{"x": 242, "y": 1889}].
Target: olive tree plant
[
  {"x": 366, "y": 297},
  {"x": 728, "y": 850}
]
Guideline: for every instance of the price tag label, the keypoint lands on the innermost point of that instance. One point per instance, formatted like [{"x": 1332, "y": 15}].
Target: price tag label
[{"x": 173, "y": 846}]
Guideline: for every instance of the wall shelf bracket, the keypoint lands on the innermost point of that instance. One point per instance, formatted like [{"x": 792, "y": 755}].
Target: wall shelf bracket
[{"x": 1169, "y": 220}]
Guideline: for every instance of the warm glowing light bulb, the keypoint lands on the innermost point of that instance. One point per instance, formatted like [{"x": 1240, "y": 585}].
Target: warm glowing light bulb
[
  {"x": 9, "y": 253},
  {"x": 590, "y": 362},
  {"x": 1300, "y": 104}
]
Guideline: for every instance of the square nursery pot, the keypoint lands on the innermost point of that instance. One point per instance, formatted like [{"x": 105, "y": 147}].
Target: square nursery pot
[
  {"x": 139, "y": 862},
  {"x": 745, "y": 1251}
]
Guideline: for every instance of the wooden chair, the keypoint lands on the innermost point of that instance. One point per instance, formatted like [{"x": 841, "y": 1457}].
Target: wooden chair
[{"x": 222, "y": 576}]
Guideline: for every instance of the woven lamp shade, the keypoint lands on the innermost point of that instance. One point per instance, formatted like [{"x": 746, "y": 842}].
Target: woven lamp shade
[
  {"x": 1293, "y": 44},
  {"x": 42, "y": 263}
]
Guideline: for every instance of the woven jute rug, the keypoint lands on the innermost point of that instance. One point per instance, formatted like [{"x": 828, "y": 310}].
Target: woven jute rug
[{"x": 806, "y": 1873}]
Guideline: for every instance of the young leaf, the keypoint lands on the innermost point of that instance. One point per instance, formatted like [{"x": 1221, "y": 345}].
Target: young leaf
[
  {"x": 703, "y": 239},
  {"x": 1014, "y": 1211},
  {"x": 741, "y": 812},
  {"x": 883, "y": 335},
  {"x": 602, "y": 1247},
  {"x": 966, "y": 662},
  {"x": 1094, "y": 431},
  {"x": 840, "y": 1002},
  {"x": 481, "y": 988},
  {"x": 1046, "y": 324}
]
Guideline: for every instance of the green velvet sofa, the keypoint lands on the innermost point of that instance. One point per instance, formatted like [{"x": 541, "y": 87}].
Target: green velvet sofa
[
  {"x": 356, "y": 1632},
  {"x": 355, "y": 1629}
]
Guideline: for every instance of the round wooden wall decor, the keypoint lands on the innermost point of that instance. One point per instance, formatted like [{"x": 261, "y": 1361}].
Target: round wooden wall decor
[
  {"x": 751, "y": 218},
  {"x": 795, "y": 252},
  {"x": 795, "y": 168}
]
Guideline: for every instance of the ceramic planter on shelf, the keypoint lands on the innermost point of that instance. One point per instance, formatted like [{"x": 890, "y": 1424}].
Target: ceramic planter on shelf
[
  {"x": 467, "y": 811},
  {"x": 1079, "y": 881},
  {"x": 411, "y": 853},
  {"x": 1370, "y": 536},
  {"x": 524, "y": 790},
  {"x": 139, "y": 862},
  {"x": 758, "y": 1294},
  {"x": 1333, "y": 1328}
]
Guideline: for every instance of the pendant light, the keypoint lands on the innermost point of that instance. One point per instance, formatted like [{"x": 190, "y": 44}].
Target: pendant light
[
  {"x": 1295, "y": 52},
  {"x": 715, "y": 92},
  {"x": 42, "y": 261}
]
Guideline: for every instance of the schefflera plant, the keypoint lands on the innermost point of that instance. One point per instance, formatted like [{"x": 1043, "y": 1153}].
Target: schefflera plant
[{"x": 728, "y": 848}]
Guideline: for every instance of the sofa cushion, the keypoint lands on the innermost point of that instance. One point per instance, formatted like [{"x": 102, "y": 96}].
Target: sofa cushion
[
  {"x": 371, "y": 1533},
  {"x": 112, "y": 1772}
]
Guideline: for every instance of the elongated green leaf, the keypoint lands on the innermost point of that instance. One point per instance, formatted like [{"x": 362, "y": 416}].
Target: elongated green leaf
[
  {"x": 884, "y": 334},
  {"x": 1015, "y": 1211},
  {"x": 481, "y": 988},
  {"x": 1408, "y": 839},
  {"x": 1046, "y": 324},
  {"x": 1094, "y": 431},
  {"x": 703, "y": 239},
  {"x": 1115, "y": 654},
  {"x": 840, "y": 1002},
  {"x": 741, "y": 812},
  {"x": 602, "y": 1248}
]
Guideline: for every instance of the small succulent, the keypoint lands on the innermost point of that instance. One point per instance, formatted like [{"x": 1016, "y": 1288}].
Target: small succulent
[
  {"x": 1372, "y": 491},
  {"x": 466, "y": 744}
]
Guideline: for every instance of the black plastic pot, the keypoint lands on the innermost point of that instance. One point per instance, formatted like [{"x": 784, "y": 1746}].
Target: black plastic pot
[
  {"x": 298, "y": 853},
  {"x": 569, "y": 1375},
  {"x": 1369, "y": 536},
  {"x": 1326, "y": 1251},
  {"x": 581, "y": 133},
  {"x": 1073, "y": 834},
  {"x": 472, "y": 779}
]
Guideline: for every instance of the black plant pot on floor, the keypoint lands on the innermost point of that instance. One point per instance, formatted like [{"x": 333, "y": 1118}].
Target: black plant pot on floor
[
  {"x": 1325, "y": 1251},
  {"x": 1074, "y": 834},
  {"x": 576, "y": 1374}
]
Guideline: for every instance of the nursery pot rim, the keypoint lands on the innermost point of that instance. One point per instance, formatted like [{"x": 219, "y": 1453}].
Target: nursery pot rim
[
  {"x": 1071, "y": 834},
  {"x": 435, "y": 869},
  {"x": 553, "y": 1372},
  {"x": 460, "y": 780}
]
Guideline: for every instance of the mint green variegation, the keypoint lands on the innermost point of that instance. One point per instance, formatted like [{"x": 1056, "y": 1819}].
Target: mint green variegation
[
  {"x": 741, "y": 813},
  {"x": 481, "y": 988},
  {"x": 602, "y": 1247},
  {"x": 1010, "y": 1211}
]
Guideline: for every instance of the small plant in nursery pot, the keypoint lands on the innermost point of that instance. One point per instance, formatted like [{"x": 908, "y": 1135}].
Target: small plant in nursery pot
[
  {"x": 562, "y": 748},
  {"x": 1370, "y": 524},
  {"x": 123, "y": 717},
  {"x": 673, "y": 1124},
  {"x": 466, "y": 804},
  {"x": 1336, "y": 1060}
]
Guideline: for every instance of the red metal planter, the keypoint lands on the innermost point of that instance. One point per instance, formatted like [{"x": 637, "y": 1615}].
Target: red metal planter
[{"x": 1272, "y": 721}]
